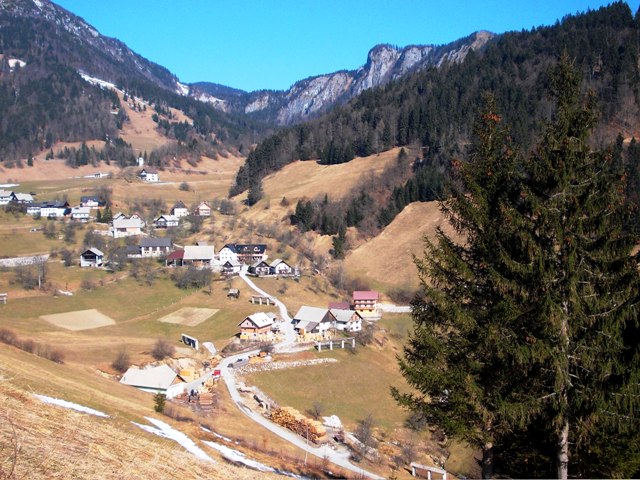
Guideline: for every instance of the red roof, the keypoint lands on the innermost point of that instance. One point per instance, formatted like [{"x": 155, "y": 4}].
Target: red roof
[
  {"x": 339, "y": 305},
  {"x": 365, "y": 295},
  {"x": 177, "y": 255}
]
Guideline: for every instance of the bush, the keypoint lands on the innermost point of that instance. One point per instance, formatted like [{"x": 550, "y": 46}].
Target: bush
[
  {"x": 365, "y": 336},
  {"x": 162, "y": 349},
  {"x": 159, "y": 400},
  {"x": 122, "y": 362},
  {"x": 184, "y": 187},
  {"x": 67, "y": 257}
]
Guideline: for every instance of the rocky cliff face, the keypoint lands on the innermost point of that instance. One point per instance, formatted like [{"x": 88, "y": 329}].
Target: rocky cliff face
[{"x": 312, "y": 96}]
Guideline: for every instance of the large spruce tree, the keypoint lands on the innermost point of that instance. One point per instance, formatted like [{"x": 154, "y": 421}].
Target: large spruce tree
[{"x": 526, "y": 315}]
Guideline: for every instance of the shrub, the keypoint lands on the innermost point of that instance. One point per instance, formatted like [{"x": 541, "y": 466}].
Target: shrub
[
  {"x": 184, "y": 187},
  {"x": 159, "y": 400},
  {"x": 162, "y": 349},
  {"x": 8, "y": 336},
  {"x": 122, "y": 362}
]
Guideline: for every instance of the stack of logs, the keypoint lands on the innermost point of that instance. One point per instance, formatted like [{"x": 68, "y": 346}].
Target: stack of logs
[{"x": 296, "y": 422}]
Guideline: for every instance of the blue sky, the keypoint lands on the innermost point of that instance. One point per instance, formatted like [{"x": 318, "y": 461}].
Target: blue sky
[{"x": 272, "y": 44}]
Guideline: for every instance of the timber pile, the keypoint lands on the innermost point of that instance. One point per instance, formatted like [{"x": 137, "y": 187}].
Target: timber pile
[{"x": 293, "y": 420}]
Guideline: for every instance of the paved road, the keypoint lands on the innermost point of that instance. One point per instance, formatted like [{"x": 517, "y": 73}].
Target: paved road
[{"x": 324, "y": 452}]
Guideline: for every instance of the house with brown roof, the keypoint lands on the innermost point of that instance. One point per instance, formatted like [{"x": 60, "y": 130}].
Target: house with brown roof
[{"x": 256, "y": 325}]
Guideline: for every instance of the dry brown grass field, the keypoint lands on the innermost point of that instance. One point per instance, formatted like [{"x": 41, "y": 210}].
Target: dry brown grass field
[
  {"x": 53, "y": 442},
  {"x": 386, "y": 260}
]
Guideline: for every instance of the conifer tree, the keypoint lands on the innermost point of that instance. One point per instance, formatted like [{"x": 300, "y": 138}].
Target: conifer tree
[
  {"x": 580, "y": 276},
  {"x": 526, "y": 317},
  {"x": 452, "y": 357}
]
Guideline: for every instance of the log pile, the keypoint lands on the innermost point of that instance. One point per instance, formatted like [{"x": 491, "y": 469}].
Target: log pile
[{"x": 293, "y": 420}]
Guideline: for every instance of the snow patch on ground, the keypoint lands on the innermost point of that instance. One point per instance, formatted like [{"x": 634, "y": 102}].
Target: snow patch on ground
[
  {"x": 71, "y": 405},
  {"x": 222, "y": 437},
  {"x": 166, "y": 431},
  {"x": 97, "y": 81},
  {"x": 238, "y": 457},
  {"x": 182, "y": 89}
]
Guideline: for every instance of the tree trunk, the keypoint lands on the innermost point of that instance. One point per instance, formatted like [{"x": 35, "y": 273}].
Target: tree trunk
[
  {"x": 563, "y": 451},
  {"x": 487, "y": 460}
]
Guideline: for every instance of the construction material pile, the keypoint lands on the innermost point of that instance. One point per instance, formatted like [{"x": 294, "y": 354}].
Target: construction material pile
[{"x": 293, "y": 420}]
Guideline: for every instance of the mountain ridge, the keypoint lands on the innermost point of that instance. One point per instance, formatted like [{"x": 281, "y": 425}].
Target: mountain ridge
[{"x": 309, "y": 97}]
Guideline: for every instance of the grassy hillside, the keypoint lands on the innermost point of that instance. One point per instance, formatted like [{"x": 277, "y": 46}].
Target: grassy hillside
[{"x": 385, "y": 261}]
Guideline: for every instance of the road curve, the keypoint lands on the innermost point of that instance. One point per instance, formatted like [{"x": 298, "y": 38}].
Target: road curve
[{"x": 324, "y": 451}]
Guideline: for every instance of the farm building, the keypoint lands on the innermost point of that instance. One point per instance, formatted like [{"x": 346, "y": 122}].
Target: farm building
[
  {"x": 91, "y": 258},
  {"x": 313, "y": 320},
  {"x": 161, "y": 379},
  {"x": 175, "y": 258},
  {"x": 347, "y": 320},
  {"x": 155, "y": 246},
  {"x": 365, "y": 302},
  {"x": 198, "y": 255}
]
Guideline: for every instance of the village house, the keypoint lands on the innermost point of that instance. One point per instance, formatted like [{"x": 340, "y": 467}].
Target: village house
[
  {"x": 230, "y": 267},
  {"x": 80, "y": 214},
  {"x": 347, "y": 320},
  {"x": 166, "y": 221},
  {"x": 22, "y": 197},
  {"x": 179, "y": 209},
  {"x": 54, "y": 209},
  {"x": 260, "y": 268},
  {"x": 256, "y": 326},
  {"x": 228, "y": 254},
  {"x": 203, "y": 210},
  {"x": 365, "y": 302},
  {"x": 91, "y": 202},
  {"x": 280, "y": 267},
  {"x": 198, "y": 255},
  {"x": 121, "y": 226},
  {"x": 250, "y": 253},
  {"x": 33, "y": 209},
  {"x": 5, "y": 196},
  {"x": 161, "y": 379},
  {"x": 149, "y": 175},
  {"x": 155, "y": 246},
  {"x": 91, "y": 258},
  {"x": 313, "y": 322}
]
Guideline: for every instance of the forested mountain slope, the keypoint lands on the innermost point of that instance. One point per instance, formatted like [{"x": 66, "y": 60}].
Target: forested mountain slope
[
  {"x": 44, "y": 49},
  {"x": 434, "y": 109}
]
